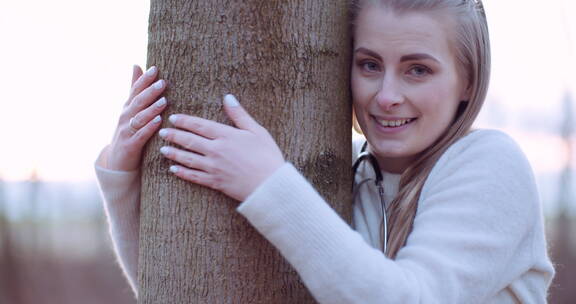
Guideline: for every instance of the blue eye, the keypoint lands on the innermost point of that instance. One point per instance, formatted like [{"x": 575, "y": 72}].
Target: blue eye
[
  {"x": 369, "y": 66},
  {"x": 419, "y": 71}
]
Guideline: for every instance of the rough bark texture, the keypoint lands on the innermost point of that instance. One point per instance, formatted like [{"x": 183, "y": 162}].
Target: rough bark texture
[{"x": 288, "y": 64}]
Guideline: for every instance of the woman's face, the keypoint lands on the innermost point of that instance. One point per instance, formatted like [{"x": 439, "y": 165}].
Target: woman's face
[{"x": 405, "y": 84}]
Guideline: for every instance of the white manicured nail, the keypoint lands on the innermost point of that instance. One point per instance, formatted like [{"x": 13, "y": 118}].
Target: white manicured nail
[
  {"x": 158, "y": 84},
  {"x": 164, "y": 150},
  {"x": 173, "y": 118},
  {"x": 157, "y": 119},
  {"x": 151, "y": 71},
  {"x": 231, "y": 101},
  {"x": 173, "y": 169},
  {"x": 160, "y": 103},
  {"x": 163, "y": 133}
]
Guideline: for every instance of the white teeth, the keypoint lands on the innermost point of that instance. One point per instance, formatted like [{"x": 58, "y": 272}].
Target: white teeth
[{"x": 394, "y": 123}]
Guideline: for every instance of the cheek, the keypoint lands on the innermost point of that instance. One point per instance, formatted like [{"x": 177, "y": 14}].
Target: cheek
[
  {"x": 440, "y": 98},
  {"x": 438, "y": 108},
  {"x": 358, "y": 113},
  {"x": 362, "y": 88},
  {"x": 355, "y": 86}
]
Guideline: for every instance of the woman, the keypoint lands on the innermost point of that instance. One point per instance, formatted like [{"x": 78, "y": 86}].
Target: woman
[{"x": 463, "y": 220}]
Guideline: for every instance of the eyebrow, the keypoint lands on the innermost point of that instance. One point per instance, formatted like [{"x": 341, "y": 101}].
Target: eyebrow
[
  {"x": 411, "y": 57},
  {"x": 368, "y": 52}
]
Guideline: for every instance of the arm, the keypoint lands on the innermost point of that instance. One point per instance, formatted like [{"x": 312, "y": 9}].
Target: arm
[
  {"x": 118, "y": 167},
  {"x": 474, "y": 234},
  {"x": 120, "y": 191}
]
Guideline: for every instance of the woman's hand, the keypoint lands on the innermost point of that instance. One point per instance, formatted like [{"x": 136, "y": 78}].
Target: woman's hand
[
  {"x": 139, "y": 120},
  {"x": 232, "y": 160}
]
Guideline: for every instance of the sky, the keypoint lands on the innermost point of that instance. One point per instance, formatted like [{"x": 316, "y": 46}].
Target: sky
[
  {"x": 67, "y": 67},
  {"x": 66, "y": 73}
]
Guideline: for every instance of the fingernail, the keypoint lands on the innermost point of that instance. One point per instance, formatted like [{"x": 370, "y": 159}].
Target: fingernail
[
  {"x": 160, "y": 103},
  {"x": 231, "y": 101},
  {"x": 173, "y": 169},
  {"x": 151, "y": 71},
  {"x": 159, "y": 84},
  {"x": 164, "y": 150},
  {"x": 163, "y": 133},
  {"x": 173, "y": 118},
  {"x": 157, "y": 119}
]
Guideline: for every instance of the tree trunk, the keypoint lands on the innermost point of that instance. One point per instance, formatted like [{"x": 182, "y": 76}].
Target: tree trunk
[{"x": 288, "y": 64}]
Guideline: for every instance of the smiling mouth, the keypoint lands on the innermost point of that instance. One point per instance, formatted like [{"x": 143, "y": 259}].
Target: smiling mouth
[{"x": 393, "y": 123}]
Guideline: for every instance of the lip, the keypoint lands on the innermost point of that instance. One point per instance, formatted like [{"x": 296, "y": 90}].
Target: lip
[
  {"x": 391, "y": 130},
  {"x": 391, "y": 117}
]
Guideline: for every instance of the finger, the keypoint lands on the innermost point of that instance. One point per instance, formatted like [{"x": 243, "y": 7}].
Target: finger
[
  {"x": 146, "y": 97},
  {"x": 187, "y": 140},
  {"x": 203, "y": 127},
  {"x": 143, "y": 135},
  {"x": 188, "y": 159},
  {"x": 144, "y": 116},
  {"x": 136, "y": 73},
  {"x": 143, "y": 82},
  {"x": 194, "y": 176},
  {"x": 239, "y": 116}
]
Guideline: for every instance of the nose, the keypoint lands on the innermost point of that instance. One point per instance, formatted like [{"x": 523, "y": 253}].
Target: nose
[{"x": 389, "y": 96}]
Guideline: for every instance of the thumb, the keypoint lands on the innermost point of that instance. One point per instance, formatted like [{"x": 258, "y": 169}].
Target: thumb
[{"x": 239, "y": 116}]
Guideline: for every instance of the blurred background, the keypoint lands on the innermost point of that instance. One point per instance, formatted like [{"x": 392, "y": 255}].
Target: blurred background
[{"x": 66, "y": 73}]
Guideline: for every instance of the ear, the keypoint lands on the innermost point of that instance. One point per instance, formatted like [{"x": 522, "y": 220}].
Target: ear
[
  {"x": 465, "y": 96},
  {"x": 466, "y": 92}
]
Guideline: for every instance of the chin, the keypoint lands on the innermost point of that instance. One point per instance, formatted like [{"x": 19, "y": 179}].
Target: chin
[{"x": 390, "y": 152}]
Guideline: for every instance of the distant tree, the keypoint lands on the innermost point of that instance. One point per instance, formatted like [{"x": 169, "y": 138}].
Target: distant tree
[
  {"x": 288, "y": 63},
  {"x": 563, "y": 252},
  {"x": 9, "y": 273}
]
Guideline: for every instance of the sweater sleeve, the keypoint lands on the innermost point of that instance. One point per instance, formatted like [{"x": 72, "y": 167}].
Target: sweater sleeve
[
  {"x": 473, "y": 235},
  {"x": 120, "y": 192}
]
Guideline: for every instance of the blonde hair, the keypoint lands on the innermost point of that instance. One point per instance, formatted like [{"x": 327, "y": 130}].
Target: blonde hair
[{"x": 472, "y": 47}]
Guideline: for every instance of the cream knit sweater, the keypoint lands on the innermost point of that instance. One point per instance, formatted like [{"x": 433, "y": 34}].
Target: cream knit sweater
[{"x": 478, "y": 234}]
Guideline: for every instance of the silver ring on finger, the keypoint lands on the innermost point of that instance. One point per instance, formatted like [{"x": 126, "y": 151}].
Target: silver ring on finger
[{"x": 133, "y": 129}]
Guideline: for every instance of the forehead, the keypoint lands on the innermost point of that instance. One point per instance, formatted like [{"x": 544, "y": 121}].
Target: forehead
[{"x": 391, "y": 33}]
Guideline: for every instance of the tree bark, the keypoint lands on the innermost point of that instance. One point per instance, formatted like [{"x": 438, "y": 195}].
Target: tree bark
[{"x": 288, "y": 64}]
